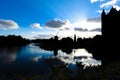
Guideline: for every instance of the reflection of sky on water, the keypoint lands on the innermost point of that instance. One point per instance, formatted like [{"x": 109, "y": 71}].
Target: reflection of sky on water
[
  {"x": 30, "y": 55},
  {"x": 78, "y": 55},
  {"x": 7, "y": 55},
  {"x": 34, "y": 53}
]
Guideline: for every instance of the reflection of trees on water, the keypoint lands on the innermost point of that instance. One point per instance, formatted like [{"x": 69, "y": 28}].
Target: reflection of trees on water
[{"x": 67, "y": 51}]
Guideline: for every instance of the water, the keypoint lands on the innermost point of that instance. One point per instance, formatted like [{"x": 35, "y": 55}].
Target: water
[{"x": 33, "y": 59}]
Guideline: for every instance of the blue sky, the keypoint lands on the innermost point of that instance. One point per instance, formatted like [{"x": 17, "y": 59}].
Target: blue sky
[{"x": 46, "y": 18}]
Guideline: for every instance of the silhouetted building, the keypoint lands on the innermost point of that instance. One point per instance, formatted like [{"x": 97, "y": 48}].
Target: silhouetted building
[
  {"x": 110, "y": 34},
  {"x": 110, "y": 25}
]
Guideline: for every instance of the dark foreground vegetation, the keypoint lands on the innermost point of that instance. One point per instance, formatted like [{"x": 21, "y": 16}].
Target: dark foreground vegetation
[{"x": 60, "y": 72}]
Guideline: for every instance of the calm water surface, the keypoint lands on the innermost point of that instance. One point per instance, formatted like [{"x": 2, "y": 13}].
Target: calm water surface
[{"x": 32, "y": 58}]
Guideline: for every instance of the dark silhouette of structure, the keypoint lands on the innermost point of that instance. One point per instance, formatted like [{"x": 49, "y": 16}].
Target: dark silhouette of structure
[
  {"x": 110, "y": 33},
  {"x": 106, "y": 47},
  {"x": 110, "y": 25}
]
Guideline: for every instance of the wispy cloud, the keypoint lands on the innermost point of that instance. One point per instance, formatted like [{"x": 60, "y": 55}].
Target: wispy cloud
[
  {"x": 80, "y": 29},
  {"x": 97, "y": 20},
  {"x": 93, "y": 1},
  {"x": 99, "y": 11},
  {"x": 109, "y": 3},
  {"x": 96, "y": 30},
  {"x": 36, "y": 25},
  {"x": 43, "y": 36},
  {"x": 8, "y": 24},
  {"x": 66, "y": 28}
]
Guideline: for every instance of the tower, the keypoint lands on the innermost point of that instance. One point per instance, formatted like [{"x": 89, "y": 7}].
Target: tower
[
  {"x": 75, "y": 38},
  {"x": 110, "y": 24},
  {"x": 103, "y": 22}
]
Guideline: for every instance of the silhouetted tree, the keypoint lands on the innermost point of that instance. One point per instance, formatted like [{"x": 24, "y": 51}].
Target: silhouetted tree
[{"x": 12, "y": 40}]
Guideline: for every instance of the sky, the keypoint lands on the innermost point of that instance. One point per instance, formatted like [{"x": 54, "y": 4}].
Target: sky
[{"x": 47, "y": 18}]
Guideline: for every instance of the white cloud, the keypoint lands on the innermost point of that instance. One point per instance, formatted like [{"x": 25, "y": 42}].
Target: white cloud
[
  {"x": 109, "y": 3},
  {"x": 117, "y": 7},
  {"x": 36, "y": 25},
  {"x": 92, "y": 1},
  {"x": 8, "y": 24},
  {"x": 106, "y": 4}
]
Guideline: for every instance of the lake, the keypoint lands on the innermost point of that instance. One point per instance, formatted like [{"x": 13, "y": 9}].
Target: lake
[{"x": 33, "y": 59}]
